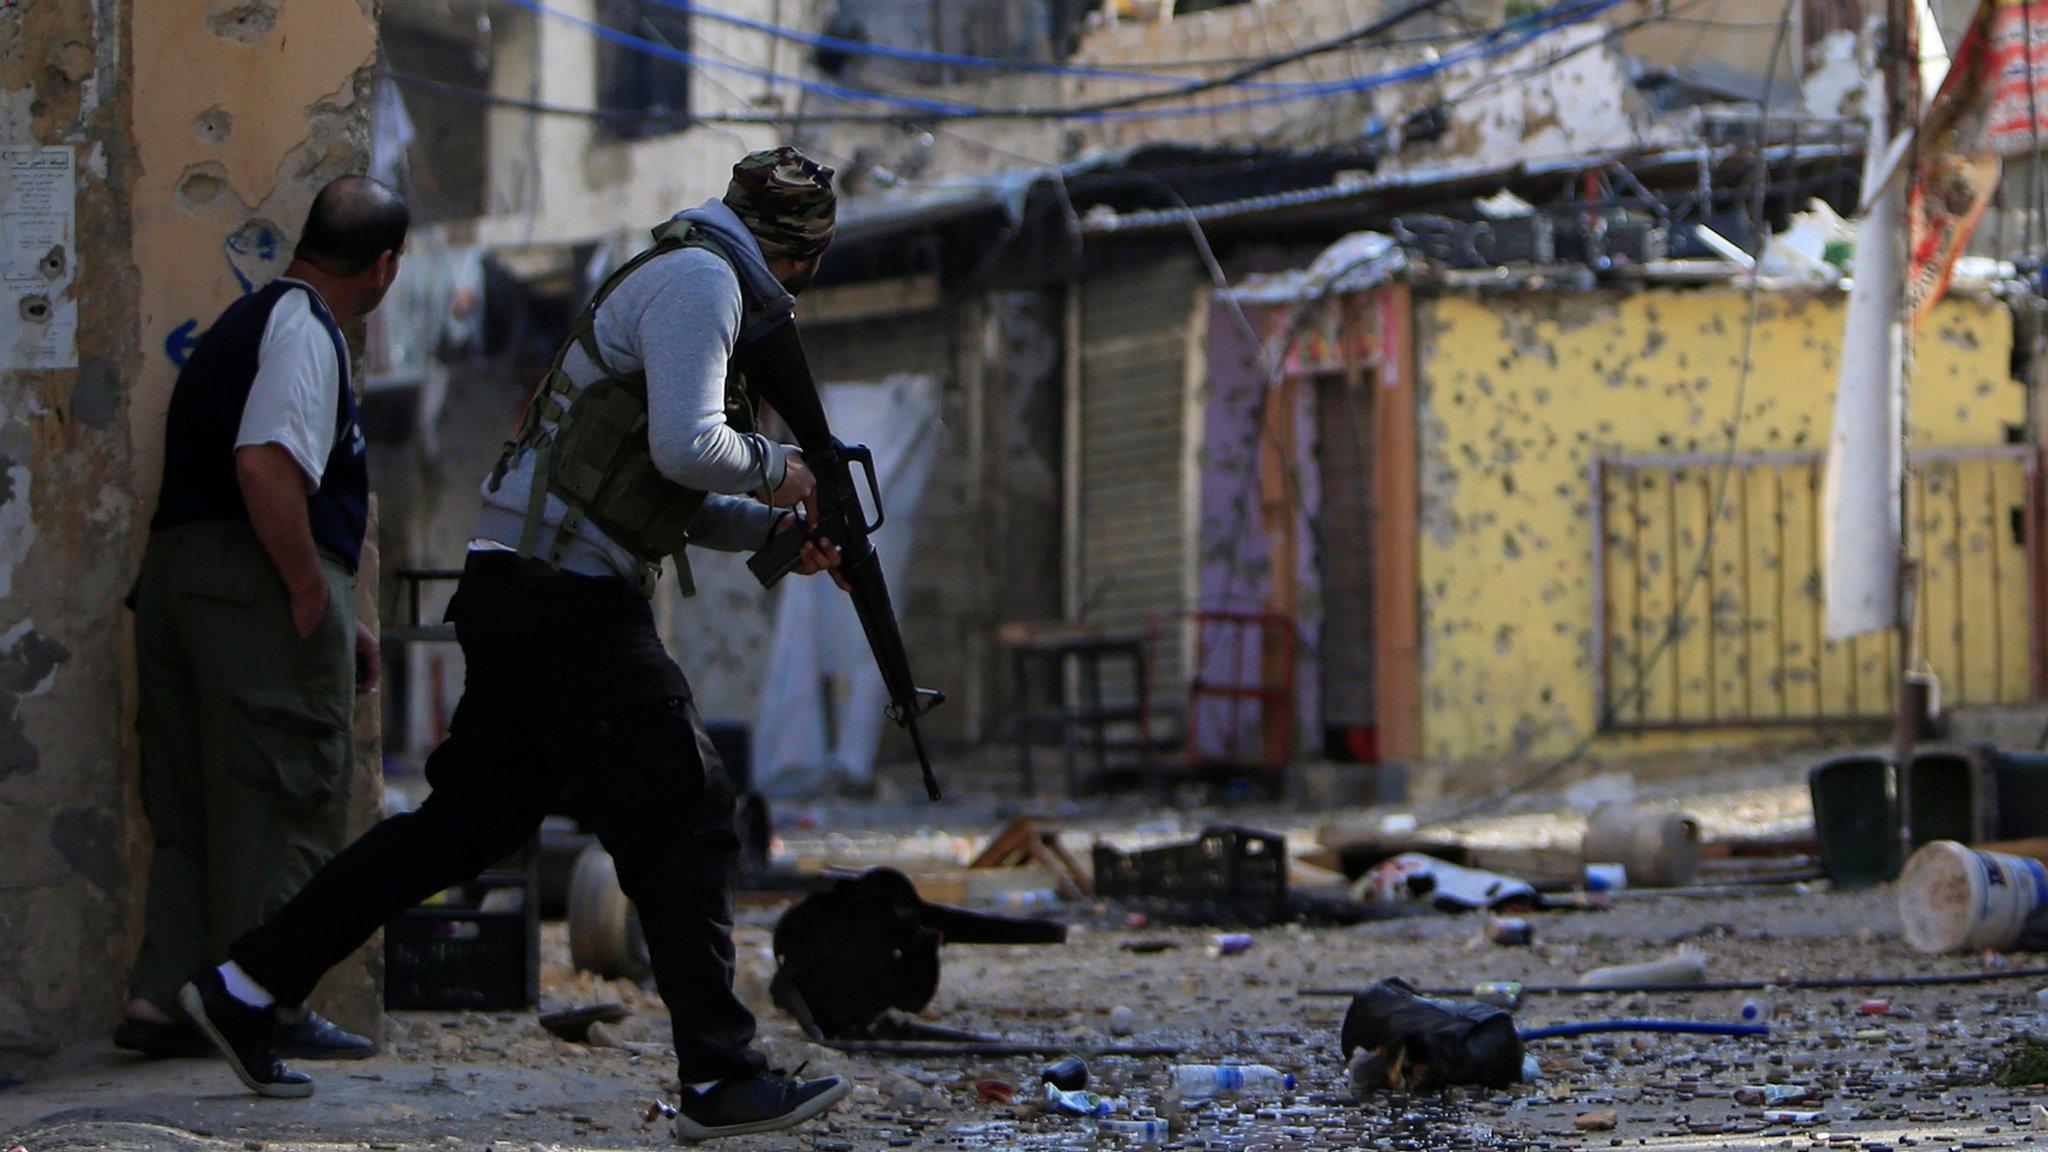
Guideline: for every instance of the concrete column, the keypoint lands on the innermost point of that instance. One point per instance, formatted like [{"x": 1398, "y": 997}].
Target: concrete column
[{"x": 160, "y": 155}]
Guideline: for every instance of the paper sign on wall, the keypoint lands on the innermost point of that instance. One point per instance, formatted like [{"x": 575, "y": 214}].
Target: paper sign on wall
[{"x": 38, "y": 257}]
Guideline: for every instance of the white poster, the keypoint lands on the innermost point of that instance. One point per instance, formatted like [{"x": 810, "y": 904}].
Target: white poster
[
  {"x": 38, "y": 257},
  {"x": 820, "y": 721}
]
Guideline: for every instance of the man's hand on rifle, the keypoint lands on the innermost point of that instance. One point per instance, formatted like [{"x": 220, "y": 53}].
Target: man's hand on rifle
[
  {"x": 820, "y": 555},
  {"x": 797, "y": 482}
]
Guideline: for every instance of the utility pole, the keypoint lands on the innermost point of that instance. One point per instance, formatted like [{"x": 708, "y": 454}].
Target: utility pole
[{"x": 1899, "y": 59}]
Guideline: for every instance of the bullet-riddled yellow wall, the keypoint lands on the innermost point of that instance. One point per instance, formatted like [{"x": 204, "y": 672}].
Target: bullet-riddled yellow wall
[{"x": 1520, "y": 393}]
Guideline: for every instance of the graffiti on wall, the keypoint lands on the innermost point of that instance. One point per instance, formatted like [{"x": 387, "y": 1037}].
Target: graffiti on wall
[{"x": 255, "y": 255}]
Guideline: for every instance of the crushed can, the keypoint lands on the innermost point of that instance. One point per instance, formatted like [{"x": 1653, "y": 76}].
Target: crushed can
[
  {"x": 1068, "y": 1074},
  {"x": 1499, "y": 993}
]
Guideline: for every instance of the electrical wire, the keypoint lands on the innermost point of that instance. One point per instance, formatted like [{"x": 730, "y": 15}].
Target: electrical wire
[
  {"x": 850, "y": 47},
  {"x": 1667, "y": 1027},
  {"x": 1813, "y": 984},
  {"x": 1500, "y": 40}
]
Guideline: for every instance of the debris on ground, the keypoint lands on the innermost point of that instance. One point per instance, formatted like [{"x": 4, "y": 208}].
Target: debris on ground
[
  {"x": 1655, "y": 849},
  {"x": 1081, "y": 1103},
  {"x": 1022, "y": 843},
  {"x": 1231, "y": 943},
  {"x": 1509, "y": 931},
  {"x": 1068, "y": 1074},
  {"x": 868, "y": 944},
  {"x": 574, "y": 1024},
  {"x": 1203, "y": 1081},
  {"x": 1229, "y": 876},
  {"x": 1686, "y": 966},
  {"x": 1412, "y": 878},
  {"x": 1397, "y": 1040},
  {"x": 1601, "y": 1121},
  {"x": 1953, "y": 898}
]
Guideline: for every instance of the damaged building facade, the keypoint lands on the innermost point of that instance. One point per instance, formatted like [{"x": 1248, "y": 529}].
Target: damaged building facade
[
  {"x": 158, "y": 157},
  {"x": 981, "y": 266}
]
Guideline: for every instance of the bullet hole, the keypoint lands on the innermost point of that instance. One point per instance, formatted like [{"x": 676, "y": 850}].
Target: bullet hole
[
  {"x": 249, "y": 21},
  {"x": 213, "y": 125},
  {"x": 202, "y": 185},
  {"x": 35, "y": 309},
  {"x": 53, "y": 263}
]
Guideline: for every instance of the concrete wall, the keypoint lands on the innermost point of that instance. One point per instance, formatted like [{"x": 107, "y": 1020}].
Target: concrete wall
[
  {"x": 200, "y": 132},
  {"x": 67, "y": 513},
  {"x": 561, "y": 178},
  {"x": 1521, "y": 392}
]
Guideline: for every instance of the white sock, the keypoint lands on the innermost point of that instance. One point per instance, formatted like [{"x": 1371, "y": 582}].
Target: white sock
[{"x": 242, "y": 988}]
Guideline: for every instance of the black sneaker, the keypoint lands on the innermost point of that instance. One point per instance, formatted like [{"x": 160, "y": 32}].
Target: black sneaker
[
  {"x": 246, "y": 1036},
  {"x": 180, "y": 1039},
  {"x": 767, "y": 1101},
  {"x": 315, "y": 1037}
]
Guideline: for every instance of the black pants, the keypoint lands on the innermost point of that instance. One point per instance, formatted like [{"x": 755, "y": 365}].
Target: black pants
[{"x": 570, "y": 705}]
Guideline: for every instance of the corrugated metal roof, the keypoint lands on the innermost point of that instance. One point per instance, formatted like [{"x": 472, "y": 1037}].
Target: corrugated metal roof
[{"x": 1105, "y": 223}]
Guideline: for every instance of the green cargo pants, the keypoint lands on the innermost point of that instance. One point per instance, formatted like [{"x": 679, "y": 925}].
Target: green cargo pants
[{"x": 245, "y": 733}]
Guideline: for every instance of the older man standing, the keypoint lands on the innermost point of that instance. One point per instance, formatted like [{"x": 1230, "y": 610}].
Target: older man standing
[{"x": 247, "y": 643}]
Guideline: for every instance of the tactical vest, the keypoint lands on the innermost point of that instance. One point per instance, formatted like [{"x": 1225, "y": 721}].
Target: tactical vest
[{"x": 596, "y": 457}]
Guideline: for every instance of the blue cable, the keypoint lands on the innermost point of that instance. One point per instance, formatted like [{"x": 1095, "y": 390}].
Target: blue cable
[
  {"x": 1678, "y": 1027},
  {"x": 1492, "y": 44},
  {"x": 926, "y": 56}
]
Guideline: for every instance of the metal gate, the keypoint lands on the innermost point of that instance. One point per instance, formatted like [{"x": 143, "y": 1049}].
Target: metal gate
[{"x": 1738, "y": 640}]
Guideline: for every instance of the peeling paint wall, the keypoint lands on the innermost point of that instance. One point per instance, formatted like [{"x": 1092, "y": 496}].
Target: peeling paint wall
[
  {"x": 66, "y": 549},
  {"x": 200, "y": 130},
  {"x": 1521, "y": 392}
]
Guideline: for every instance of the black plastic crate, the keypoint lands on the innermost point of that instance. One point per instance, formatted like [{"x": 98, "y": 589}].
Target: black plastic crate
[
  {"x": 1227, "y": 876},
  {"x": 457, "y": 958}
]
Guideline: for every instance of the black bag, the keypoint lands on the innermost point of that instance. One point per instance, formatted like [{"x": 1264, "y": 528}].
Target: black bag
[
  {"x": 867, "y": 944},
  {"x": 1415, "y": 1044}
]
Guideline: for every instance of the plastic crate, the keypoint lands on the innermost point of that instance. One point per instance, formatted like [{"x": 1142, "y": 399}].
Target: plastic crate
[
  {"x": 1226, "y": 876},
  {"x": 461, "y": 958}
]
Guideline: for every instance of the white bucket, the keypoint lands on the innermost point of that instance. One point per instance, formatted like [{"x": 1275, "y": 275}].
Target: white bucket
[{"x": 1957, "y": 899}]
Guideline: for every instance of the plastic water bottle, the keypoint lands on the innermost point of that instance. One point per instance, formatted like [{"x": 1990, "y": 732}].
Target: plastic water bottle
[
  {"x": 1136, "y": 1131},
  {"x": 1199, "y": 1081}
]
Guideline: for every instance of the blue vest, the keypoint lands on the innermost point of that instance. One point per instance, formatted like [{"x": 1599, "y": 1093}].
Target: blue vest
[{"x": 206, "y": 415}]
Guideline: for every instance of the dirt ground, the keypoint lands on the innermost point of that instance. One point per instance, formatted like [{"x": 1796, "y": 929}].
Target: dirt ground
[{"x": 1917, "y": 1076}]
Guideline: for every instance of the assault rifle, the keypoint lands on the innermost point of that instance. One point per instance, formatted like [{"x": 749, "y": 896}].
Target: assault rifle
[{"x": 778, "y": 372}]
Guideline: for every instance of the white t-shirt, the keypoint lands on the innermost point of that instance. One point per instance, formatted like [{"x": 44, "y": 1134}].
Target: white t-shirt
[{"x": 297, "y": 392}]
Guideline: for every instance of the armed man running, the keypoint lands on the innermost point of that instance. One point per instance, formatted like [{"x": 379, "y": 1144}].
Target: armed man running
[{"x": 638, "y": 441}]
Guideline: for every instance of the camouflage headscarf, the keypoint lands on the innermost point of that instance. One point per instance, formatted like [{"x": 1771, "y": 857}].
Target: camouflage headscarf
[{"x": 785, "y": 199}]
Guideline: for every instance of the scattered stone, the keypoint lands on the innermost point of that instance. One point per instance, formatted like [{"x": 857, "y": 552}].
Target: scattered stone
[{"x": 1603, "y": 1121}]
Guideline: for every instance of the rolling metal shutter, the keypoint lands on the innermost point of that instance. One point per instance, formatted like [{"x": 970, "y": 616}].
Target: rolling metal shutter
[
  {"x": 1344, "y": 542},
  {"x": 1135, "y": 553}
]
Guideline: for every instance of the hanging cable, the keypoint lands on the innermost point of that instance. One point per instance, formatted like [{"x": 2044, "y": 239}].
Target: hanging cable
[
  {"x": 850, "y": 47},
  {"x": 1504, "y": 39}
]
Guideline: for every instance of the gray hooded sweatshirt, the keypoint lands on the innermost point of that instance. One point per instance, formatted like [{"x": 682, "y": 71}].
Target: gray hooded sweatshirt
[{"x": 678, "y": 316}]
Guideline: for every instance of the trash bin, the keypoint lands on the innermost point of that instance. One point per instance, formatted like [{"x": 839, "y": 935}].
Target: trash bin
[
  {"x": 1952, "y": 794},
  {"x": 2022, "y": 782},
  {"x": 1856, "y": 819}
]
